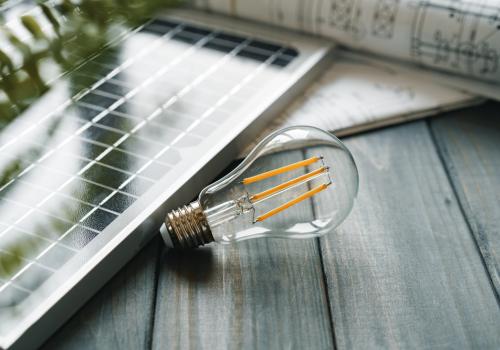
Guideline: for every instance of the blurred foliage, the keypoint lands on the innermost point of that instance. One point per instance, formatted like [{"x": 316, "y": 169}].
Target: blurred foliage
[{"x": 78, "y": 29}]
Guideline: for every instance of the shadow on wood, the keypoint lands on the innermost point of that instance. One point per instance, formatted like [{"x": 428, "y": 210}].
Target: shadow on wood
[{"x": 193, "y": 265}]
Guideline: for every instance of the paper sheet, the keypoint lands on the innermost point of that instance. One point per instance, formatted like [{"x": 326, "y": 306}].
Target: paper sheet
[
  {"x": 455, "y": 36},
  {"x": 358, "y": 93}
]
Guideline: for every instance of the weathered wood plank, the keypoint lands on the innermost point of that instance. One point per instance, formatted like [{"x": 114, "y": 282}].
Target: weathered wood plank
[
  {"x": 260, "y": 294},
  {"x": 469, "y": 144},
  {"x": 120, "y": 315},
  {"x": 403, "y": 271}
]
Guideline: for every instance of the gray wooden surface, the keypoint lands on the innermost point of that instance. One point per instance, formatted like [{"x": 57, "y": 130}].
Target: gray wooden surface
[{"x": 416, "y": 265}]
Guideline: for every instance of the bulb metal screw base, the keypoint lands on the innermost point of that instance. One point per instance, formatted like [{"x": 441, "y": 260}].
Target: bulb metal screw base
[{"x": 186, "y": 227}]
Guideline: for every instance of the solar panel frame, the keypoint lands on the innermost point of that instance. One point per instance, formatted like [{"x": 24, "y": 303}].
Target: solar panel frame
[{"x": 118, "y": 242}]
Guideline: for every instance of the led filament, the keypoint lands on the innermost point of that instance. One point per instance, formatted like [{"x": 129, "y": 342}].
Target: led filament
[{"x": 300, "y": 180}]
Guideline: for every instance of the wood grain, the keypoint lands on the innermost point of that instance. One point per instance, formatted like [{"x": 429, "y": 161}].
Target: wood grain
[
  {"x": 403, "y": 271},
  {"x": 260, "y": 294},
  {"x": 406, "y": 270},
  {"x": 120, "y": 315},
  {"x": 469, "y": 144}
]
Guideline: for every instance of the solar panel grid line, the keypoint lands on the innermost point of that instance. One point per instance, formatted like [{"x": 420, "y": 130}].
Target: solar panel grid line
[
  {"x": 28, "y": 261},
  {"x": 96, "y": 205},
  {"x": 234, "y": 90},
  {"x": 121, "y": 150},
  {"x": 9, "y": 282},
  {"x": 81, "y": 60},
  {"x": 71, "y": 228},
  {"x": 97, "y": 184},
  {"x": 108, "y": 197},
  {"x": 134, "y": 59},
  {"x": 32, "y": 277},
  {"x": 104, "y": 145},
  {"x": 134, "y": 130},
  {"x": 114, "y": 164},
  {"x": 69, "y": 101},
  {"x": 203, "y": 76},
  {"x": 30, "y": 210},
  {"x": 89, "y": 106},
  {"x": 8, "y": 183},
  {"x": 59, "y": 190},
  {"x": 133, "y": 124},
  {"x": 121, "y": 170},
  {"x": 51, "y": 246},
  {"x": 63, "y": 194},
  {"x": 138, "y": 127},
  {"x": 41, "y": 159},
  {"x": 147, "y": 82},
  {"x": 120, "y": 101},
  {"x": 224, "y": 98},
  {"x": 37, "y": 209},
  {"x": 147, "y": 164},
  {"x": 27, "y": 169},
  {"x": 46, "y": 155},
  {"x": 27, "y": 291},
  {"x": 112, "y": 114},
  {"x": 86, "y": 105},
  {"x": 43, "y": 166},
  {"x": 18, "y": 286},
  {"x": 112, "y": 42},
  {"x": 28, "y": 233},
  {"x": 96, "y": 91},
  {"x": 112, "y": 82},
  {"x": 35, "y": 235},
  {"x": 167, "y": 67},
  {"x": 84, "y": 158},
  {"x": 35, "y": 125}
]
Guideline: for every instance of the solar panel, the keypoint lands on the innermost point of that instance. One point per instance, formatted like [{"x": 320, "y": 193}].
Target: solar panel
[{"x": 117, "y": 137}]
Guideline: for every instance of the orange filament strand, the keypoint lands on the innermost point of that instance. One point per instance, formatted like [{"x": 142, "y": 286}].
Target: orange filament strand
[
  {"x": 287, "y": 184},
  {"x": 281, "y": 170},
  {"x": 294, "y": 201}
]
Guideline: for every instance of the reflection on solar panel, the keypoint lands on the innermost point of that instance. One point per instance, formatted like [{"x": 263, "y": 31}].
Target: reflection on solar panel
[
  {"x": 139, "y": 112},
  {"x": 160, "y": 91}
]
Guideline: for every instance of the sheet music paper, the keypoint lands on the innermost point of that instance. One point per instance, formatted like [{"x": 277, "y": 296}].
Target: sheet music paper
[
  {"x": 358, "y": 93},
  {"x": 456, "y": 36}
]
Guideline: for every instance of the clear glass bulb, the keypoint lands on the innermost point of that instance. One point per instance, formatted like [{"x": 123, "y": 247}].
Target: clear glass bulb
[{"x": 270, "y": 193}]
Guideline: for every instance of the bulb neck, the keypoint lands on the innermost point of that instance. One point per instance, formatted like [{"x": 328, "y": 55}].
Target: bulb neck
[{"x": 187, "y": 227}]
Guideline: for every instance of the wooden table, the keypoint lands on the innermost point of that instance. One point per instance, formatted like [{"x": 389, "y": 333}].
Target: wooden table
[{"x": 416, "y": 265}]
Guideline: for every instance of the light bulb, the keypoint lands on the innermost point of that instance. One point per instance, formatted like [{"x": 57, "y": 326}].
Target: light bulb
[{"x": 270, "y": 193}]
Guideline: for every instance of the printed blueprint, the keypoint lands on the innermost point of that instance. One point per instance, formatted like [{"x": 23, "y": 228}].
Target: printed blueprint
[{"x": 461, "y": 37}]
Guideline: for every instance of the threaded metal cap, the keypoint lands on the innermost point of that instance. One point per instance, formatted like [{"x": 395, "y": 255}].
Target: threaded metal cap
[{"x": 186, "y": 227}]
